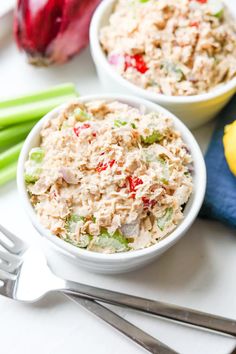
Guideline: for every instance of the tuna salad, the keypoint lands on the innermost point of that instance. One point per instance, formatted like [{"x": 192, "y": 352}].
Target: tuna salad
[
  {"x": 172, "y": 47},
  {"x": 108, "y": 177}
]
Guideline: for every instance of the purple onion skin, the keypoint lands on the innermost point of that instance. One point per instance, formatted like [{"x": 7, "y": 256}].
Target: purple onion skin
[{"x": 52, "y": 31}]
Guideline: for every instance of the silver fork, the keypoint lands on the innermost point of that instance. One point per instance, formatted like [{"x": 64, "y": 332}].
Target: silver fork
[
  {"x": 18, "y": 264},
  {"x": 26, "y": 277}
]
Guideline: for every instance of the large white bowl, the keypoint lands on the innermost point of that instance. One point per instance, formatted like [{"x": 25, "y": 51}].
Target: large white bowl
[
  {"x": 192, "y": 110},
  {"x": 120, "y": 262}
]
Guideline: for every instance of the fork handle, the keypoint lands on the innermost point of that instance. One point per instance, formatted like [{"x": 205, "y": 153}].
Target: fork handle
[
  {"x": 170, "y": 311},
  {"x": 128, "y": 329}
]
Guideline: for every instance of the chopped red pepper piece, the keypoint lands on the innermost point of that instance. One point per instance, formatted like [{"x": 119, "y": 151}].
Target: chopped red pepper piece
[
  {"x": 135, "y": 61},
  {"x": 194, "y": 24},
  {"x": 202, "y": 1},
  {"x": 77, "y": 130},
  {"x": 85, "y": 126},
  {"x": 111, "y": 163},
  {"x": 133, "y": 183},
  {"x": 148, "y": 203},
  {"x": 103, "y": 166}
]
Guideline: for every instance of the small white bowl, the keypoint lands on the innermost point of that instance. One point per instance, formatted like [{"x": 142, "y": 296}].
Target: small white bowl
[
  {"x": 192, "y": 110},
  {"x": 119, "y": 262}
]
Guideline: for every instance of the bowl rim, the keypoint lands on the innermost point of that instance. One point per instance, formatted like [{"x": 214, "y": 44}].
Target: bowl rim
[
  {"x": 197, "y": 196},
  {"x": 100, "y": 59}
]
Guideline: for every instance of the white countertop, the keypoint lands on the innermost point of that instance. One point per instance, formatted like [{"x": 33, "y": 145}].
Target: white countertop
[{"x": 198, "y": 272}]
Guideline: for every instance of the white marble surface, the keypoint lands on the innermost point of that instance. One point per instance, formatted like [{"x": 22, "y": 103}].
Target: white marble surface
[{"x": 198, "y": 272}]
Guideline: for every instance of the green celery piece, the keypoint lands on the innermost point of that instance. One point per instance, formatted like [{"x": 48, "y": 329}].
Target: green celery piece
[
  {"x": 32, "y": 175},
  {"x": 153, "y": 138},
  {"x": 143, "y": 1},
  {"x": 162, "y": 221},
  {"x": 165, "y": 171},
  {"x": 15, "y": 133},
  {"x": 36, "y": 154},
  {"x": 165, "y": 181},
  {"x": 30, "y": 178},
  {"x": 120, "y": 237},
  {"x": 219, "y": 14},
  {"x": 33, "y": 165},
  {"x": 72, "y": 221},
  {"x": 80, "y": 115},
  {"x": 70, "y": 228},
  {"x": 116, "y": 242},
  {"x": 179, "y": 73},
  {"x": 10, "y": 155},
  {"x": 8, "y": 173},
  {"x": 216, "y": 8},
  {"x": 76, "y": 218},
  {"x": 118, "y": 123},
  {"x": 174, "y": 68},
  {"x": 104, "y": 232},
  {"x": 34, "y": 106},
  {"x": 161, "y": 160},
  {"x": 133, "y": 126},
  {"x": 82, "y": 243}
]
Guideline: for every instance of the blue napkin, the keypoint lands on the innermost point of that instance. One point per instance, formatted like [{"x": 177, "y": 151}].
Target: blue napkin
[{"x": 220, "y": 199}]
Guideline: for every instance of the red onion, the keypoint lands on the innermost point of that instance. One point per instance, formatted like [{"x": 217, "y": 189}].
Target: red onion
[
  {"x": 69, "y": 176},
  {"x": 52, "y": 31},
  {"x": 131, "y": 229},
  {"x": 116, "y": 59}
]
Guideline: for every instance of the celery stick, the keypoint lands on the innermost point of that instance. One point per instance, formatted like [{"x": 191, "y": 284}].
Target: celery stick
[
  {"x": 29, "y": 111},
  {"x": 8, "y": 173},
  {"x": 67, "y": 89},
  {"x": 10, "y": 155},
  {"x": 15, "y": 134},
  {"x": 36, "y": 154},
  {"x": 2, "y": 149}
]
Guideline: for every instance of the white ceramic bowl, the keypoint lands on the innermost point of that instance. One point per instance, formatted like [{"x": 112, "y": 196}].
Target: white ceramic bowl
[
  {"x": 119, "y": 262},
  {"x": 192, "y": 110}
]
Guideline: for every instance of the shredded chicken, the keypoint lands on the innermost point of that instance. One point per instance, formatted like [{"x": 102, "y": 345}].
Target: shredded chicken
[
  {"x": 172, "y": 47},
  {"x": 109, "y": 177}
]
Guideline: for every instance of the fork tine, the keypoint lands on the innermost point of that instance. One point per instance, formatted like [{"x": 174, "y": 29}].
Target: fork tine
[
  {"x": 5, "y": 276},
  {"x": 18, "y": 246},
  {"x": 8, "y": 282},
  {"x": 9, "y": 262}
]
